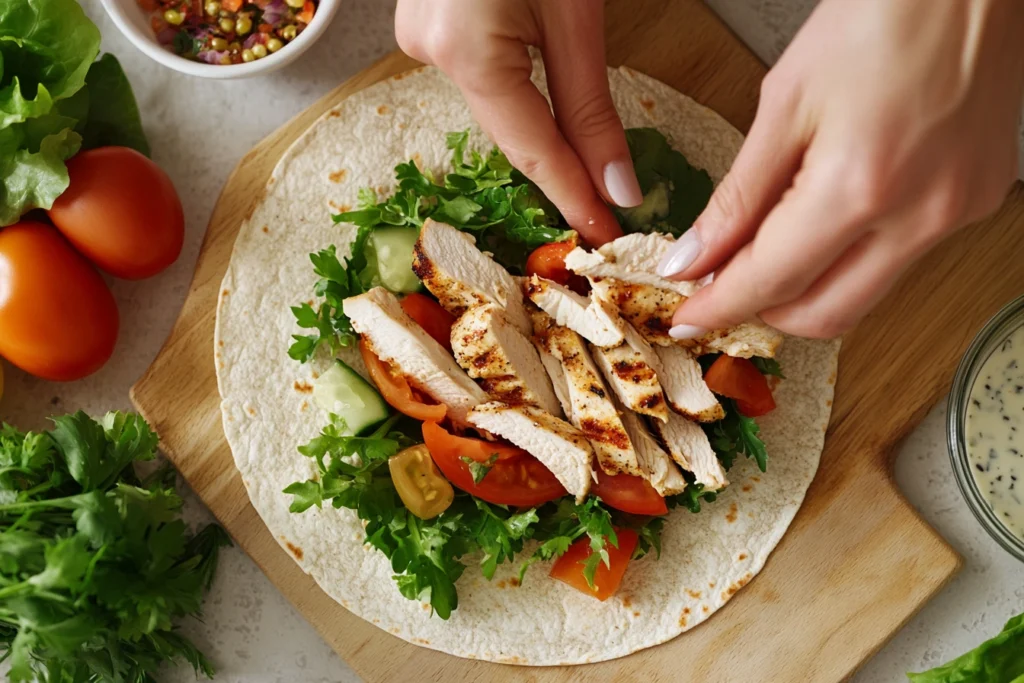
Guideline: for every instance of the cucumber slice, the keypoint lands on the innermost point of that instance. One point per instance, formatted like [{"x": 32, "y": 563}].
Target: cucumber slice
[
  {"x": 392, "y": 249},
  {"x": 342, "y": 391}
]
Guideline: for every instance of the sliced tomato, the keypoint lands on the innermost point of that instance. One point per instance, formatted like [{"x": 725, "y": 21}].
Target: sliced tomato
[
  {"x": 628, "y": 493},
  {"x": 429, "y": 315},
  {"x": 395, "y": 390},
  {"x": 521, "y": 480},
  {"x": 548, "y": 261},
  {"x": 739, "y": 379},
  {"x": 452, "y": 447},
  {"x": 569, "y": 567}
]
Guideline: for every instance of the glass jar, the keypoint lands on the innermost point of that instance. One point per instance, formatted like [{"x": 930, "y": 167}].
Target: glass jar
[{"x": 991, "y": 336}]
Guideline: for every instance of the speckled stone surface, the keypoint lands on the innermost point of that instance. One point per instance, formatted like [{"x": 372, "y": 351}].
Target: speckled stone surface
[{"x": 199, "y": 129}]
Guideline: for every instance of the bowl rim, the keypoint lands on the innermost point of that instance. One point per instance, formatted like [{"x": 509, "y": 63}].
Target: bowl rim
[
  {"x": 1009, "y": 318},
  {"x": 146, "y": 42}
]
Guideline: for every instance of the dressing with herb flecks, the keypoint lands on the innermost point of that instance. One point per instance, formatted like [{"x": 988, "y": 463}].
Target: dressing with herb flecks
[{"x": 995, "y": 431}]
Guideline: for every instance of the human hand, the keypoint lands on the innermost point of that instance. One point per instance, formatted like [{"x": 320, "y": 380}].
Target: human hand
[
  {"x": 578, "y": 156},
  {"x": 883, "y": 128}
]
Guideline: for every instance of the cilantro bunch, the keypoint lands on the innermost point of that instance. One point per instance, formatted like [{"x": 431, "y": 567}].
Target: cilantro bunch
[
  {"x": 95, "y": 563},
  {"x": 427, "y": 556}
]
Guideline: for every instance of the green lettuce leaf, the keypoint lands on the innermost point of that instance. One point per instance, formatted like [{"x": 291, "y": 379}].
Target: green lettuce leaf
[
  {"x": 1000, "y": 659},
  {"x": 33, "y": 179},
  {"x": 113, "y": 115},
  {"x": 46, "y": 47}
]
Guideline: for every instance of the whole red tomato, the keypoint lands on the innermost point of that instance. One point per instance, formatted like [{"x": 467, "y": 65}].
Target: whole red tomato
[
  {"x": 122, "y": 212},
  {"x": 58, "y": 319}
]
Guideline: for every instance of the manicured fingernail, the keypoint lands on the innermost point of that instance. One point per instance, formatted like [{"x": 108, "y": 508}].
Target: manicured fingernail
[
  {"x": 686, "y": 332},
  {"x": 681, "y": 254},
  {"x": 621, "y": 183}
]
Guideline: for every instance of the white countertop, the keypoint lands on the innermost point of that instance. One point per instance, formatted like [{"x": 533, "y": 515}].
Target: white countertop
[{"x": 199, "y": 130}]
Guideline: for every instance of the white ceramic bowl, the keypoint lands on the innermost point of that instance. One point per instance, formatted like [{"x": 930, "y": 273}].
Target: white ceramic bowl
[{"x": 133, "y": 21}]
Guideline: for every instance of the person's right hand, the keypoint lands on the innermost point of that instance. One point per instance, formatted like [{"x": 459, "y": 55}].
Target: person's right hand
[{"x": 578, "y": 156}]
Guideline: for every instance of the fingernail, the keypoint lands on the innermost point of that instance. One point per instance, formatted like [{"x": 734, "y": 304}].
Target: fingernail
[
  {"x": 621, "y": 183},
  {"x": 686, "y": 332},
  {"x": 681, "y": 254}
]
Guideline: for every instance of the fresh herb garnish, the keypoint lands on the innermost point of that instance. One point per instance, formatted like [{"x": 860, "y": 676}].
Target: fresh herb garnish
[
  {"x": 736, "y": 434},
  {"x": 692, "y": 497},
  {"x": 768, "y": 366},
  {"x": 479, "y": 469},
  {"x": 95, "y": 563}
]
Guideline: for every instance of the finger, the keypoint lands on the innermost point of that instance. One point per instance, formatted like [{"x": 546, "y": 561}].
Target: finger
[
  {"x": 577, "y": 76},
  {"x": 760, "y": 175},
  {"x": 849, "y": 289},
  {"x": 517, "y": 117},
  {"x": 798, "y": 241}
]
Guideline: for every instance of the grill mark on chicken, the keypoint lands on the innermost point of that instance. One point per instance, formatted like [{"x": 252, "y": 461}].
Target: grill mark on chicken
[
  {"x": 596, "y": 390},
  {"x": 635, "y": 371},
  {"x": 652, "y": 401},
  {"x": 484, "y": 359},
  {"x": 598, "y": 430}
]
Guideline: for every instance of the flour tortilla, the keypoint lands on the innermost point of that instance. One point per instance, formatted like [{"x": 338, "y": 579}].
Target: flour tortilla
[{"x": 268, "y": 410}]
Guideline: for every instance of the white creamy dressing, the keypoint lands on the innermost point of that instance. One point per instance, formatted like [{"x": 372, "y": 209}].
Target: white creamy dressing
[{"x": 995, "y": 431}]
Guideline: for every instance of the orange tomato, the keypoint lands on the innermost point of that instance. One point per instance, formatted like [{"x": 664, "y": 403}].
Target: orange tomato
[
  {"x": 629, "y": 493},
  {"x": 521, "y": 480},
  {"x": 548, "y": 261},
  {"x": 121, "y": 211},
  {"x": 569, "y": 567},
  {"x": 306, "y": 15},
  {"x": 434, "y": 320},
  {"x": 739, "y": 379},
  {"x": 58, "y": 319},
  {"x": 395, "y": 390}
]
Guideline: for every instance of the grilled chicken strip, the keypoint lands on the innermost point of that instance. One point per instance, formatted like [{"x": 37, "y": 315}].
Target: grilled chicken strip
[
  {"x": 684, "y": 386},
  {"x": 633, "y": 373},
  {"x": 505, "y": 362},
  {"x": 594, "y": 319},
  {"x": 461, "y": 276},
  {"x": 689, "y": 447},
  {"x": 590, "y": 405},
  {"x": 396, "y": 338},
  {"x": 631, "y": 259},
  {"x": 559, "y": 446},
  {"x": 655, "y": 464},
  {"x": 650, "y": 310}
]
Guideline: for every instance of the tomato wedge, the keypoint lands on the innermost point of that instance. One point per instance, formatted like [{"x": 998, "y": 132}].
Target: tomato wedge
[
  {"x": 452, "y": 447},
  {"x": 739, "y": 379},
  {"x": 628, "y": 493},
  {"x": 395, "y": 390},
  {"x": 520, "y": 480},
  {"x": 548, "y": 261},
  {"x": 434, "y": 320},
  {"x": 569, "y": 567}
]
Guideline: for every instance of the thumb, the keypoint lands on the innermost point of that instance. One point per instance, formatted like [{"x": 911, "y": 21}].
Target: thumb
[
  {"x": 762, "y": 172},
  {"x": 574, "y": 61}
]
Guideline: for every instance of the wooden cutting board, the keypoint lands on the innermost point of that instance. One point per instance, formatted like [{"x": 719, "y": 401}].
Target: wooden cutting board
[{"x": 857, "y": 562}]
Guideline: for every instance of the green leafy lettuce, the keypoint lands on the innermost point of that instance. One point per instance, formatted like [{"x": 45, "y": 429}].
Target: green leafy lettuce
[
  {"x": 95, "y": 563},
  {"x": 427, "y": 555},
  {"x": 675, "y": 192},
  {"x": 54, "y": 101},
  {"x": 998, "y": 660}
]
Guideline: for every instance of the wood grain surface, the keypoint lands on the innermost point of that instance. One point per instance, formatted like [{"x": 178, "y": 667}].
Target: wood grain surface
[{"x": 857, "y": 562}]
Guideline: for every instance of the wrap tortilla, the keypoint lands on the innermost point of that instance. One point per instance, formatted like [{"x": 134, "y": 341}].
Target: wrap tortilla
[{"x": 268, "y": 411}]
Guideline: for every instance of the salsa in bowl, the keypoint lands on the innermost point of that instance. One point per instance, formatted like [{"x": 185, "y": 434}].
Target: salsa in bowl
[{"x": 222, "y": 38}]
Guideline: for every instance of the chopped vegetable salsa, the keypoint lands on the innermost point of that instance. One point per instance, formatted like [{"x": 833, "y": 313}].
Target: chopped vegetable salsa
[{"x": 228, "y": 31}]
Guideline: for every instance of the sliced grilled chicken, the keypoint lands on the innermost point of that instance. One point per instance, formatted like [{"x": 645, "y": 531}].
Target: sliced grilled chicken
[
  {"x": 630, "y": 259},
  {"x": 590, "y": 405},
  {"x": 397, "y": 339},
  {"x": 504, "y": 361},
  {"x": 594, "y": 319},
  {"x": 632, "y": 372},
  {"x": 649, "y": 309},
  {"x": 559, "y": 446},
  {"x": 461, "y": 276},
  {"x": 552, "y": 366},
  {"x": 689, "y": 447},
  {"x": 684, "y": 386},
  {"x": 655, "y": 464}
]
